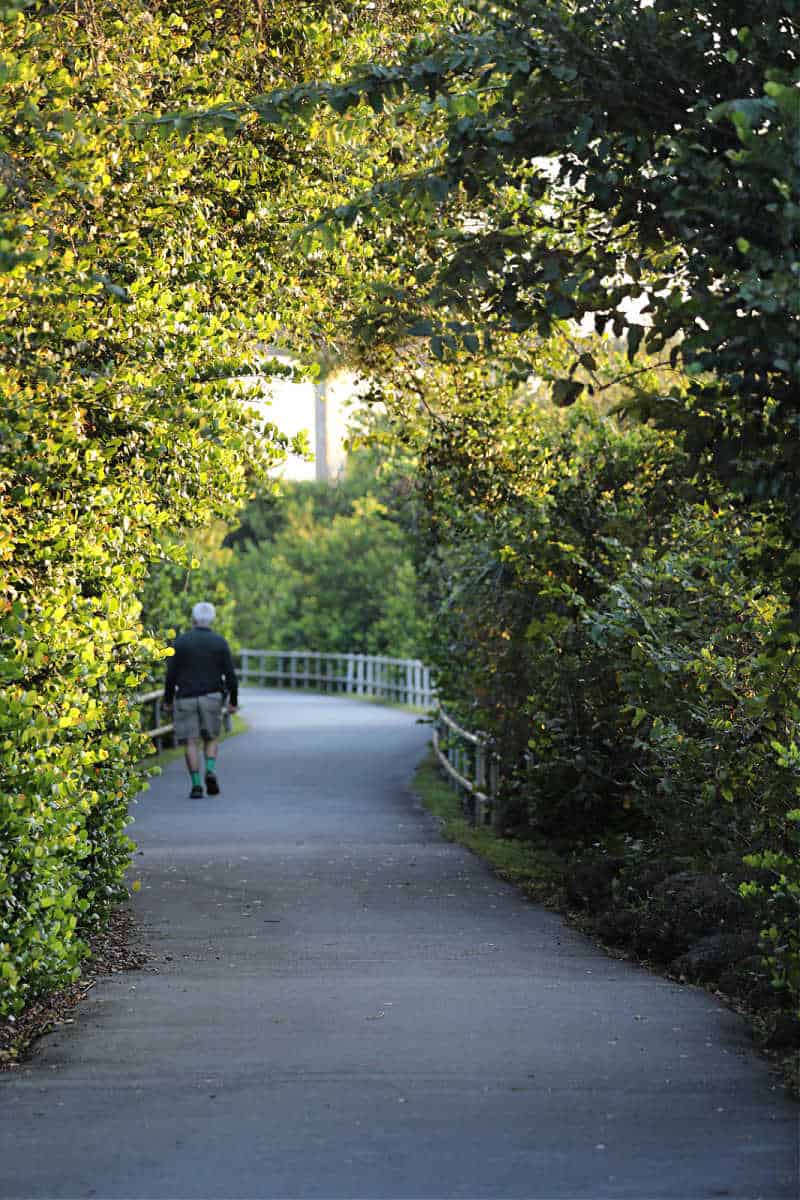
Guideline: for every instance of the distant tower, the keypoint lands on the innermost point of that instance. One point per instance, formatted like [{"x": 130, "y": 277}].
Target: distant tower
[{"x": 321, "y": 429}]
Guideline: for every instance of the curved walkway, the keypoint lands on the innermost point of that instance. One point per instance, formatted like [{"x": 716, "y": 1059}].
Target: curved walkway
[{"x": 348, "y": 1007}]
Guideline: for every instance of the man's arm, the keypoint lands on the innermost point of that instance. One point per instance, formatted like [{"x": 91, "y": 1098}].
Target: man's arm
[{"x": 232, "y": 683}]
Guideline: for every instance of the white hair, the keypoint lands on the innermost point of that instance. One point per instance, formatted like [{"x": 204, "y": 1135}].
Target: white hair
[{"x": 204, "y": 613}]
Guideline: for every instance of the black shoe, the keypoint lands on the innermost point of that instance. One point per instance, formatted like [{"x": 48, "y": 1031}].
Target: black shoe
[
  {"x": 197, "y": 792},
  {"x": 212, "y": 784}
]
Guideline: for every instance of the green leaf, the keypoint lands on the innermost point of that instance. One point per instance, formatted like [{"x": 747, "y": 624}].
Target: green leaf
[
  {"x": 566, "y": 391},
  {"x": 635, "y": 335}
]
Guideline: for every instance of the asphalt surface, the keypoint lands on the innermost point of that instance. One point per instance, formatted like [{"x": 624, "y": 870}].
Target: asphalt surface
[{"x": 346, "y": 1006}]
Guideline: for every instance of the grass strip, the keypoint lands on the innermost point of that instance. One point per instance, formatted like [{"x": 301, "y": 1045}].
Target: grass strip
[{"x": 536, "y": 869}]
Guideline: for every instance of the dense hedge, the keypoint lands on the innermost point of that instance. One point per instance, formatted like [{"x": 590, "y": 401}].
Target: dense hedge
[
  {"x": 111, "y": 432},
  {"x": 136, "y": 274}
]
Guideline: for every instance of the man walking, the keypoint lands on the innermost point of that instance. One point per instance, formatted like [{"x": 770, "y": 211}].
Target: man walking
[{"x": 199, "y": 675}]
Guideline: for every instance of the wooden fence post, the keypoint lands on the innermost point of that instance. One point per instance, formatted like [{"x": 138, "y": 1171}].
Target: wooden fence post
[{"x": 480, "y": 782}]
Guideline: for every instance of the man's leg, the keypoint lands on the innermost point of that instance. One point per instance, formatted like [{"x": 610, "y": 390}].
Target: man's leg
[
  {"x": 192, "y": 756},
  {"x": 210, "y": 728},
  {"x": 210, "y": 752},
  {"x": 189, "y": 734}
]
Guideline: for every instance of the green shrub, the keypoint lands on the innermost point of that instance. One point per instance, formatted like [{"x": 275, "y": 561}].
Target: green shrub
[
  {"x": 624, "y": 640},
  {"x": 345, "y": 583},
  {"x": 194, "y": 566},
  {"x": 117, "y": 426},
  {"x": 781, "y": 938}
]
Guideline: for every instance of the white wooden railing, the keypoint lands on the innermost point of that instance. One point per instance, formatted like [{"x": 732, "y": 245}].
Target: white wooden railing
[{"x": 401, "y": 680}]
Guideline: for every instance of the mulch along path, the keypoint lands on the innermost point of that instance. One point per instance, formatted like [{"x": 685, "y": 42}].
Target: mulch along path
[{"x": 116, "y": 948}]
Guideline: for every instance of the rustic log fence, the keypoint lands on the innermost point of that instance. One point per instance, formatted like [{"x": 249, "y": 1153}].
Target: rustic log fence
[
  {"x": 151, "y": 707},
  {"x": 469, "y": 763}
]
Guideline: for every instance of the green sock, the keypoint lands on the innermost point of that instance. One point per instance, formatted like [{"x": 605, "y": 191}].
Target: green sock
[
  {"x": 211, "y": 766},
  {"x": 195, "y": 779}
]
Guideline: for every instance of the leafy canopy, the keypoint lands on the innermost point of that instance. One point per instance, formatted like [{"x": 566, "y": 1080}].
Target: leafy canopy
[{"x": 632, "y": 165}]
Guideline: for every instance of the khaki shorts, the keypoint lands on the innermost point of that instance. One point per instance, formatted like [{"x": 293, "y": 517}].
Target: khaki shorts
[{"x": 198, "y": 717}]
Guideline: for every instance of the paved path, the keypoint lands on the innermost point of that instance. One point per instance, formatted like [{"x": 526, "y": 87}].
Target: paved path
[{"x": 348, "y": 1007}]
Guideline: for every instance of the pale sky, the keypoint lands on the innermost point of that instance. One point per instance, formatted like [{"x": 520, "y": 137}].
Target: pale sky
[{"x": 291, "y": 407}]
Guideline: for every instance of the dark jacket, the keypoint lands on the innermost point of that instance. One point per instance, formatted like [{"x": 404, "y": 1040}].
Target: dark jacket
[{"x": 202, "y": 663}]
